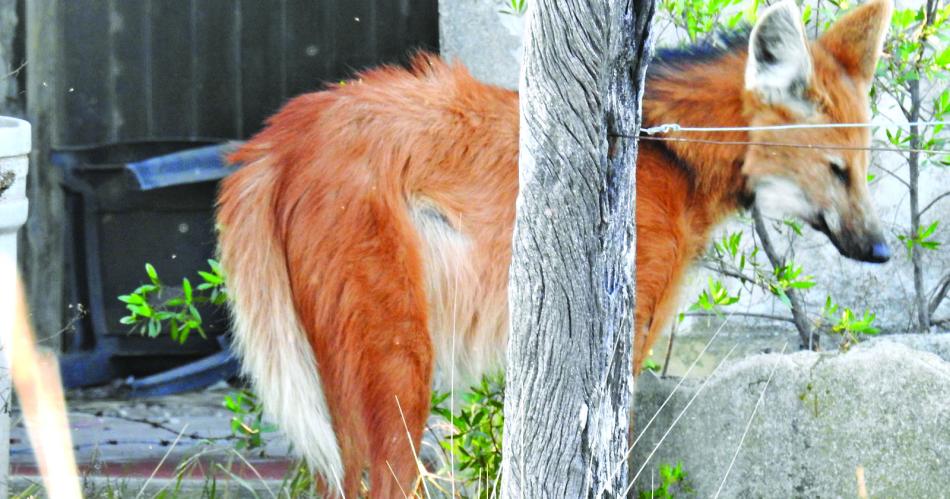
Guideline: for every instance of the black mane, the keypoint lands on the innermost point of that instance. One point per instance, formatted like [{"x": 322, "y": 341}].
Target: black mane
[{"x": 711, "y": 47}]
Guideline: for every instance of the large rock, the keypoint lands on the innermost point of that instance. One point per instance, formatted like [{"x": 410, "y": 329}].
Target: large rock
[
  {"x": 883, "y": 406},
  {"x": 937, "y": 344}
]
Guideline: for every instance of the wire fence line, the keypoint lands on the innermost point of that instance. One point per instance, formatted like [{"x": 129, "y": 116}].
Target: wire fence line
[
  {"x": 675, "y": 127},
  {"x": 651, "y": 132},
  {"x": 787, "y": 144}
]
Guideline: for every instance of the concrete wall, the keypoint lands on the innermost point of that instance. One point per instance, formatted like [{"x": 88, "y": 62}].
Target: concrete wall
[{"x": 481, "y": 35}]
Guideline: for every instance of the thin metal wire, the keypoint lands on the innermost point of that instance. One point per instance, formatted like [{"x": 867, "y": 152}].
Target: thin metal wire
[
  {"x": 675, "y": 127},
  {"x": 748, "y": 425},
  {"x": 785, "y": 144}
]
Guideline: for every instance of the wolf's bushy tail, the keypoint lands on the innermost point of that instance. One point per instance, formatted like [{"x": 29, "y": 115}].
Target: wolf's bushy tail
[{"x": 268, "y": 336}]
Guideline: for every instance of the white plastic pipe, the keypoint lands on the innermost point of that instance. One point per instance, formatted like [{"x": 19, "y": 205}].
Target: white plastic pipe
[{"x": 14, "y": 150}]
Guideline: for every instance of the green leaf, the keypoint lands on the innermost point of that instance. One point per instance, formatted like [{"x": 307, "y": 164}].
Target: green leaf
[
  {"x": 132, "y": 299},
  {"x": 215, "y": 267},
  {"x": 150, "y": 270},
  {"x": 210, "y": 278},
  {"x": 194, "y": 313},
  {"x": 801, "y": 284},
  {"x": 794, "y": 225},
  {"x": 163, "y": 315},
  {"x": 143, "y": 310},
  {"x": 186, "y": 288},
  {"x": 154, "y": 327},
  {"x": 929, "y": 230},
  {"x": 145, "y": 289},
  {"x": 943, "y": 59}
]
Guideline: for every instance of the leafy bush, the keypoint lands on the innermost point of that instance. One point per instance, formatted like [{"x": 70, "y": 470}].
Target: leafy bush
[
  {"x": 156, "y": 307},
  {"x": 247, "y": 420},
  {"x": 478, "y": 428},
  {"x": 672, "y": 480}
]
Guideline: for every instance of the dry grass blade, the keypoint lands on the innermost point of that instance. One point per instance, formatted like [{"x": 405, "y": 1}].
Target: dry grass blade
[
  {"x": 254, "y": 470},
  {"x": 396, "y": 478},
  {"x": 162, "y": 461},
  {"x": 862, "y": 486},
  {"x": 37, "y": 383},
  {"x": 676, "y": 420},
  {"x": 242, "y": 482},
  {"x": 670, "y": 396},
  {"x": 412, "y": 446},
  {"x": 749, "y": 423}
]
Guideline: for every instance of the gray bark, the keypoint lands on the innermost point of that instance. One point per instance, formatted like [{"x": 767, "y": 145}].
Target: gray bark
[{"x": 571, "y": 295}]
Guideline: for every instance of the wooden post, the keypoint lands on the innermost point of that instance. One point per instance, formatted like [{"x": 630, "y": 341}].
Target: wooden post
[{"x": 571, "y": 294}]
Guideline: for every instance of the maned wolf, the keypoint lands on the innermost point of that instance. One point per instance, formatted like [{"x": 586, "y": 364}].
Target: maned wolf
[{"x": 370, "y": 228}]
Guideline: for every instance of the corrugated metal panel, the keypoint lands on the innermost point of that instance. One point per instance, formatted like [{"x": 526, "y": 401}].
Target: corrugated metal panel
[{"x": 159, "y": 70}]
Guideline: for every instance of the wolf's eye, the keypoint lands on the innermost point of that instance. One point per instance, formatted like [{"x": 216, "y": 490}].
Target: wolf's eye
[{"x": 839, "y": 172}]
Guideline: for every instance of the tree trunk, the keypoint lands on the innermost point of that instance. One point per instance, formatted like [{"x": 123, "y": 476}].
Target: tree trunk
[
  {"x": 916, "y": 258},
  {"x": 571, "y": 295},
  {"x": 808, "y": 337}
]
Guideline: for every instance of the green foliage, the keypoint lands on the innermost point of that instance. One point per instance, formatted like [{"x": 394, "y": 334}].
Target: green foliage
[
  {"x": 923, "y": 239},
  {"x": 247, "y": 420},
  {"x": 478, "y": 428},
  {"x": 701, "y": 17},
  {"x": 914, "y": 74},
  {"x": 810, "y": 398},
  {"x": 651, "y": 365},
  {"x": 788, "y": 277},
  {"x": 155, "y": 306},
  {"x": 716, "y": 295},
  {"x": 673, "y": 480},
  {"x": 728, "y": 256},
  {"x": 843, "y": 322},
  {"x": 514, "y": 7},
  {"x": 918, "y": 49},
  {"x": 917, "y": 45}
]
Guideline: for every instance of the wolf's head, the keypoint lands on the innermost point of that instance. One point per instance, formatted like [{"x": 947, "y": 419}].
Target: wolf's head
[{"x": 790, "y": 80}]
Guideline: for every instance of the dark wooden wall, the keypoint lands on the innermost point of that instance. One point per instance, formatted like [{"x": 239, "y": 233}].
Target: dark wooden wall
[
  {"x": 108, "y": 73},
  {"x": 215, "y": 69}
]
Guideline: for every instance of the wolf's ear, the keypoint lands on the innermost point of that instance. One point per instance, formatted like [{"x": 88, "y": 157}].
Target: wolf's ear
[
  {"x": 856, "y": 39},
  {"x": 779, "y": 64}
]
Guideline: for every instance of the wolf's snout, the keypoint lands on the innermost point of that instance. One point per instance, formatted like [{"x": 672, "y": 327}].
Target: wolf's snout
[
  {"x": 880, "y": 252},
  {"x": 873, "y": 249},
  {"x": 857, "y": 245}
]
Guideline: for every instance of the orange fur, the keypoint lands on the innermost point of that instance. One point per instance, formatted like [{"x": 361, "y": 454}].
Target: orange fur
[{"x": 385, "y": 207}]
